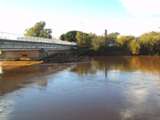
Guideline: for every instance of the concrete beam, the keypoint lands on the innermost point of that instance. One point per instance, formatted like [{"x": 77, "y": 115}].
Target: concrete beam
[{"x": 19, "y": 50}]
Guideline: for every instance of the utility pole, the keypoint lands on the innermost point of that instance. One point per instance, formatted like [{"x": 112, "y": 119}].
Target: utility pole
[
  {"x": 82, "y": 29},
  {"x": 106, "y": 37}
]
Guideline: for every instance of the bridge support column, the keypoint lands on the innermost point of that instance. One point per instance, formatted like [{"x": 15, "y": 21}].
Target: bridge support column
[{"x": 24, "y": 55}]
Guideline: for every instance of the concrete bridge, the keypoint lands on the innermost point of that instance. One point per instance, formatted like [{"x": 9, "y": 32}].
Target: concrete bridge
[{"x": 19, "y": 47}]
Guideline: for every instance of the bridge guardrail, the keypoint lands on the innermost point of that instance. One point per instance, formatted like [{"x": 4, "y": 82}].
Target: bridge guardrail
[{"x": 19, "y": 37}]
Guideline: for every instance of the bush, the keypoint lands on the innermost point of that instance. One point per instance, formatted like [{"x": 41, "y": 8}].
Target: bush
[{"x": 103, "y": 51}]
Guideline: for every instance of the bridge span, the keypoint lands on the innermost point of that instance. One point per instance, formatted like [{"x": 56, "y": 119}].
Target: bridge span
[{"x": 18, "y": 47}]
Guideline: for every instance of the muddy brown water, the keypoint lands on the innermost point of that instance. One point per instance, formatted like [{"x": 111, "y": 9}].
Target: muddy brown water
[{"x": 108, "y": 88}]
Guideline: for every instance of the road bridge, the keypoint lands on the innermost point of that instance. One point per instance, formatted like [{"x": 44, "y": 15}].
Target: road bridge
[{"x": 19, "y": 47}]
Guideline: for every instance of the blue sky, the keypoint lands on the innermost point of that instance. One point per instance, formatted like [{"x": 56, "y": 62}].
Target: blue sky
[{"x": 124, "y": 16}]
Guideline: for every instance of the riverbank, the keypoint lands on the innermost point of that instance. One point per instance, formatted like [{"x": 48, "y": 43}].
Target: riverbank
[
  {"x": 6, "y": 65},
  {"x": 53, "y": 59},
  {"x": 103, "y": 51},
  {"x": 66, "y": 58}
]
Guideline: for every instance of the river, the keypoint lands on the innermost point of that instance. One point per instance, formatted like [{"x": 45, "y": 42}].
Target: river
[{"x": 108, "y": 88}]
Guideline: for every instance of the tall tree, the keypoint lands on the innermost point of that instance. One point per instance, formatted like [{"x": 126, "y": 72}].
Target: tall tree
[
  {"x": 69, "y": 36},
  {"x": 98, "y": 41},
  {"x": 39, "y": 30},
  {"x": 62, "y": 37},
  {"x": 134, "y": 46},
  {"x": 84, "y": 39},
  {"x": 112, "y": 37},
  {"x": 124, "y": 40},
  {"x": 150, "y": 43}
]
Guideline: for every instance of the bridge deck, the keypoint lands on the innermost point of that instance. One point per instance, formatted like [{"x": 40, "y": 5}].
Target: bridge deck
[{"x": 30, "y": 45}]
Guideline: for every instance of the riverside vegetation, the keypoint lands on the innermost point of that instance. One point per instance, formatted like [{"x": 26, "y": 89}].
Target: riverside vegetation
[
  {"x": 116, "y": 45},
  {"x": 93, "y": 45},
  {"x": 90, "y": 44}
]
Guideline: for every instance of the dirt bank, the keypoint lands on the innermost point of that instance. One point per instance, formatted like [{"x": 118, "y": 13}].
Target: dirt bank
[{"x": 66, "y": 58}]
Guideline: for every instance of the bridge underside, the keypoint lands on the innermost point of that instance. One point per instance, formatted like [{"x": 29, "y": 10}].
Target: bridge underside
[
  {"x": 22, "y": 50},
  {"x": 29, "y": 54}
]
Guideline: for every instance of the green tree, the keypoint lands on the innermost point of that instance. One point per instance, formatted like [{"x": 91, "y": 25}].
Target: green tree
[
  {"x": 150, "y": 43},
  {"x": 80, "y": 40},
  {"x": 39, "y": 30},
  {"x": 124, "y": 40},
  {"x": 89, "y": 39},
  {"x": 62, "y": 37},
  {"x": 69, "y": 36},
  {"x": 112, "y": 37},
  {"x": 134, "y": 47},
  {"x": 84, "y": 39},
  {"x": 98, "y": 41}
]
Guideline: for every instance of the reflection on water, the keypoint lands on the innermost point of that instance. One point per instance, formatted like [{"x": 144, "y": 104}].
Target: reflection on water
[
  {"x": 113, "y": 88},
  {"x": 19, "y": 77},
  {"x": 6, "y": 107},
  {"x": 0, "y": 69},
  {"x": 144, "y": 64}
]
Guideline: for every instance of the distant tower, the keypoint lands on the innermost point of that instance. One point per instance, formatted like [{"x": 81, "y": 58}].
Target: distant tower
[{"x": 106, "y": 37}]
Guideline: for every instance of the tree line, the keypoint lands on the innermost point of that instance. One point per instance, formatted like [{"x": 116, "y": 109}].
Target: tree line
[
  {"x": 145, "y": 44},
  {"x": 39, "y": 30}
]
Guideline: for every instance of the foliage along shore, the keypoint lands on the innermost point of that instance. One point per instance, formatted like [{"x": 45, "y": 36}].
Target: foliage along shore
[
  {"x": 85, "y": 54},
  {"x": 103, "y": 51},
  {"x": 112, "y": 44}
]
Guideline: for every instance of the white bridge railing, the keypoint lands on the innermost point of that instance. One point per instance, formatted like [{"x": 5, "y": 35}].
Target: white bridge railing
[{"x": 18, "y": 37}]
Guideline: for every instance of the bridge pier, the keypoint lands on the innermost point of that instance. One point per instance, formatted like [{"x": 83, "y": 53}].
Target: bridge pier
[
  {"x": 26, "y": 49},
  {"x": 23, "y": 55},
  {"x": 29, "y": 54}
]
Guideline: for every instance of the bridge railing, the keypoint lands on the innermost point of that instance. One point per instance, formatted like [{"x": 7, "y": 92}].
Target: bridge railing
[
  {"x": 9, "y": 36},
  {"x": 19, "y": 37}
]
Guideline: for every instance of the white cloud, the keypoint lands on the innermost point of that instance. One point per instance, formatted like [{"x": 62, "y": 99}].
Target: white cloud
[{"x": 142, "y": 7}]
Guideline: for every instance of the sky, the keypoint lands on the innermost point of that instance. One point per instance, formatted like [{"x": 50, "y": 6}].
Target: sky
[{"x": 128, "y": 17}]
